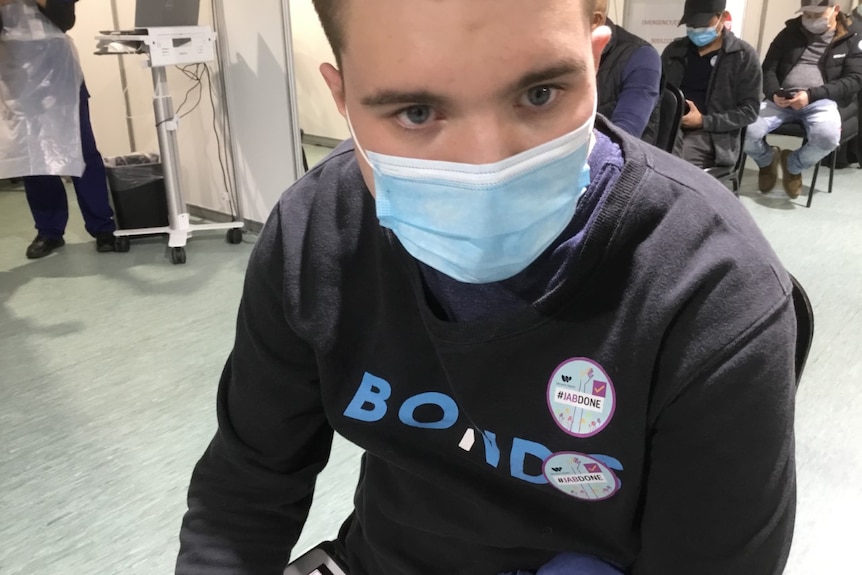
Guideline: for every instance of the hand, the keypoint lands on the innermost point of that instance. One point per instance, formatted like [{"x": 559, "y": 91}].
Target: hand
[
  {"x": 694, "y": 119},
  {"x": 780, "y": 101},
  {"x": 6, "y": 2},
  {"x": 800, "y": 100}
]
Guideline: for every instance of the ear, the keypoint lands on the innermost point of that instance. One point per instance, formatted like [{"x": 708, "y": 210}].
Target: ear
[
  {"x": 335, "y": 81},
  {"x": 599, "y": 19},
  {"x": 601, "y": 37}
]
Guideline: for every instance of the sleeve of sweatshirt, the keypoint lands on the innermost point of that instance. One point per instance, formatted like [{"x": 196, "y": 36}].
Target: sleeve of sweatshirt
[
  {"x": 639, "y": 92},
  {"x": 251, "y": 492},
  {"x": 720, "y": 494},
  {"x": 61, "y": 13},
  {"x": 748, "y": 90}
]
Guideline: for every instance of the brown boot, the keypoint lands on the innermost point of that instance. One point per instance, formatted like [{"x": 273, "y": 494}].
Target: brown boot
[
  {"x": 792, "y": 182},
  {"x": 769, "y": 175}
]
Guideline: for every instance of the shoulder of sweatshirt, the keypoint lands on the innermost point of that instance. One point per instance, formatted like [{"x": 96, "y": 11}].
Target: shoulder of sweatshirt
[{"x": 693, "y": 231}]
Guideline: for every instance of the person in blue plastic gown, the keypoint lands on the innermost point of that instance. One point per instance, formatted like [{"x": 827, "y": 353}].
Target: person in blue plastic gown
[{"x": 46, "y": 195}]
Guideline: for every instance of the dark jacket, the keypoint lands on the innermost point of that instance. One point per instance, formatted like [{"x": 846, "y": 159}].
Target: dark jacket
[
  {"x": 60, "y": 12},
  {"x": 841, "y": 64},
  {"x": 734, "y": 92},
  {"x": 622, "y": 46}
]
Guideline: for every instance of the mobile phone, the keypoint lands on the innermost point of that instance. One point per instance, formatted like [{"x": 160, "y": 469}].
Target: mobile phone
[
  {"x": 788, "y": 93},
  {"x": 315, "y": 562}
]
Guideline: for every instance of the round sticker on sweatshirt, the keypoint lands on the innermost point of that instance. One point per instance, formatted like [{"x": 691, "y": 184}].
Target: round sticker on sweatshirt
[
  {"x": 581, "y": 397},
  {"x": 581, "y": 476}
]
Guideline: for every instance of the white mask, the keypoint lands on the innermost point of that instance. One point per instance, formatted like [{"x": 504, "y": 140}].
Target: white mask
[{"x": 818, "y": 26}]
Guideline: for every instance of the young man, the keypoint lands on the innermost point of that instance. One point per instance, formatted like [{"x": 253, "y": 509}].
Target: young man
[
  {"x": 547, "y": 336},
  {"x": 46, "y": 194},
  {"x": 630, "y": 78},
  {"x": 721, "y": 78},
  {"x": 812, "y": 68}
]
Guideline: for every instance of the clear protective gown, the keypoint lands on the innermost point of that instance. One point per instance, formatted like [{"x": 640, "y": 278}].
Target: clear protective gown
[{"x": 40, "y": 84}]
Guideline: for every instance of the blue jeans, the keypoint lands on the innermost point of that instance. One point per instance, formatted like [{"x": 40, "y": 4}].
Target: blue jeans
[
  {"x": 47, "y": 194},
  {"x": 822, "y": 123},
  {"x": 575, "y": 564}
]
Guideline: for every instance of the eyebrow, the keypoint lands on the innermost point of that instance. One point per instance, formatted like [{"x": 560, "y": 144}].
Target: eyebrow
[
  {"x": 393, "y": 97},
  {"x": 552, "y": 72},
  {"x": 428, "y": 98}
]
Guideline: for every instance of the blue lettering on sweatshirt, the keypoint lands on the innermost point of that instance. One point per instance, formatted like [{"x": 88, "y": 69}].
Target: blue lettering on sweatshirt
[{"x": 370, "y": 405}]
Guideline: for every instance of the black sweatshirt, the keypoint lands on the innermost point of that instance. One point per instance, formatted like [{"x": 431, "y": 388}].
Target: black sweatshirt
[
  {"x": 671, "y": 347},
  {"x": 60, "y": 12}
]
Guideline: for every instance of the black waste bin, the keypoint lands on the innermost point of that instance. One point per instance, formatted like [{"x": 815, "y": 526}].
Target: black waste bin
[{"x": 137, "y": 186}]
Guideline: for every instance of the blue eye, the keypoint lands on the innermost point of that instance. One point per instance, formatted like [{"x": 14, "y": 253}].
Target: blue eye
[
  {"x": 416, "y": 115},
  {"x": 540, "y": 96}
]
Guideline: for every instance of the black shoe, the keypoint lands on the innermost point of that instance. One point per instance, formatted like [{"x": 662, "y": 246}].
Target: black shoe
[
  {"x": 105, "y": 243},
  {"x": 43, "y": 246}
]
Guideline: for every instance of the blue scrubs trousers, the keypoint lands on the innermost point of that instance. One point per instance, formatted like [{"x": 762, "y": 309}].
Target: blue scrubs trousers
[{"x": 47, "y": 194}]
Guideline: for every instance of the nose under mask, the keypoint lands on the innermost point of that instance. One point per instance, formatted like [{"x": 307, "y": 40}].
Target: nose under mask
[{"x": 482, "y": 223}]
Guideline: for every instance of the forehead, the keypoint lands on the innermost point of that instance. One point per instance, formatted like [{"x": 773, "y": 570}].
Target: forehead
[
  {"x": 453, "y": 38},
  {"x": 398, "y": 31}
]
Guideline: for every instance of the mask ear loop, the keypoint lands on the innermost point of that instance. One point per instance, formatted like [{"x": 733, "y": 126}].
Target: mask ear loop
[{"x": 356, "y": 143}]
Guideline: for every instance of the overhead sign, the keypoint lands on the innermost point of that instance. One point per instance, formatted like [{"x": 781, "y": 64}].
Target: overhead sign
[{"x": 658, "y": 22}]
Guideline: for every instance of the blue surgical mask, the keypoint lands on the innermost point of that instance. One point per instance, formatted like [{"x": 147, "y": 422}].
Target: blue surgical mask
[
  {"x": 701, "y": 37},
  {"x": 482, "y": 223}
]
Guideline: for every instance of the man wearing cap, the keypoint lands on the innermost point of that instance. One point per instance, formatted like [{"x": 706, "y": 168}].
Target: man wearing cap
[
  {"x": 721, "y": 78},
  {"x": 812, "y": 74},
  {"x": 629, "y": 79}
]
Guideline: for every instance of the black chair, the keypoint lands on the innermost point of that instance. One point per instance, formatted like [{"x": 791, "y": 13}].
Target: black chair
[
  {"x": 304, "y": 158},
  {"x": 804, "y": 326},
  {"x": 849, "y": 130},
  {"x": 672, "y": 109},
  {"x": 732, "y": 174}
]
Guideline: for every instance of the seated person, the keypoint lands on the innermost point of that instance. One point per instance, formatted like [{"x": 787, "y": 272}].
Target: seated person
[
  {"x": 721, "y": 78},
  {"x": 630, "y": 79},
  {"x": 553, "y": 342},
  {"x": 812, "y": 68}
]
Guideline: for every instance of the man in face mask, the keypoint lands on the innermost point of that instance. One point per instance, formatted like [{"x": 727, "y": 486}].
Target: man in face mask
[
  {"x": 721, "y": 79},
  {"x": 812, "y": 74},
  {"x": 558, "y": 346}
]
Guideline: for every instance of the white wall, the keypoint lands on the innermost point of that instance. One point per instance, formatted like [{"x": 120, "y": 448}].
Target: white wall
[
  {"x": 200, "y": 175},
  {"x": 317, "y": 112},
  {"x": 102, "y": 75},
  {"x": 264, "y": 131},
  {"x": 260, "y": 117}
]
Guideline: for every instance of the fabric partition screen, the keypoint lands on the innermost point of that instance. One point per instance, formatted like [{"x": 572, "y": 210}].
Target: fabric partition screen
[{"x": 257, "y": 55}]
